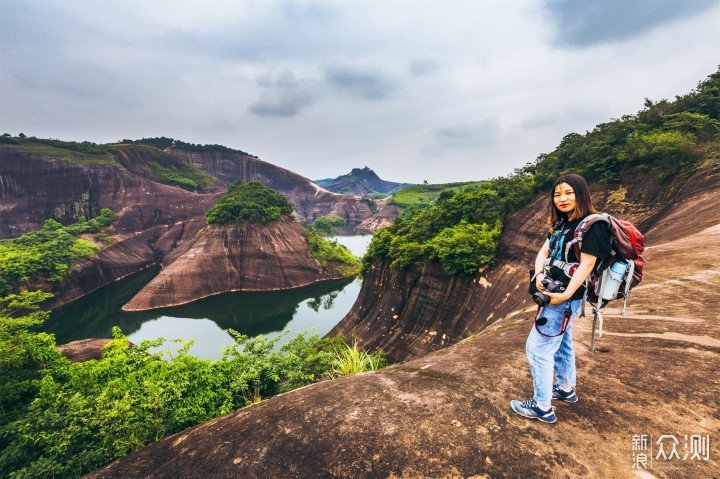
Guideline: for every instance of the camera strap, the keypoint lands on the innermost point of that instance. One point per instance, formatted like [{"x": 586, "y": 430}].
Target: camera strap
[{"x": 566, "y": 317}]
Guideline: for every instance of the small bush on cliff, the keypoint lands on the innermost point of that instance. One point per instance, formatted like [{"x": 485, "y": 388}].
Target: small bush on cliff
[
  {"x": 326, "y": 225},
  {"x": 350, "y": 359},
  {"x": 332, "y": 253},
  {"x": 250, "y": 202},
  {"x": 185, "y": 177},
  {"x": 46, "y": 254}
]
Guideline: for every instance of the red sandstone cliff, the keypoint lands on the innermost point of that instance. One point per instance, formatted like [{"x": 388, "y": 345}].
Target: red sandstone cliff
[
  {"x": 34, "y": 188},
  {"x": 410, "y": 313},
  {"x": 447, "y": 414},
  {"x": 153, "y": 219},
  {"x": 310, "y": 200},
  {"x": 256, "y": 257}
]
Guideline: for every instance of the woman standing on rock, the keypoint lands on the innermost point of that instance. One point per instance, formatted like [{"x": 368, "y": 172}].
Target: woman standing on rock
[{"x": 549, "y": 346}]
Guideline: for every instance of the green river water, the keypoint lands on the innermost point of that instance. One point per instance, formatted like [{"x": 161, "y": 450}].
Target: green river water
[{"x": 318, "y": 307}]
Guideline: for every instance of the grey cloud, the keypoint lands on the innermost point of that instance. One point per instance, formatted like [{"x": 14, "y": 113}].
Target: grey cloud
[
  {"x": 423, "y": 66},
  {"x": 284, "y": 95},
  {"x": 368, "y": 85},
  {"x": 586, "y": 23},
  {"x": 468, "y": 136},
  {"x": 312, "y": 11}
]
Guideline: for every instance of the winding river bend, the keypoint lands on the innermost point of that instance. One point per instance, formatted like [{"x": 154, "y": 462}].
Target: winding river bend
[{"x": 319, "y": 306}]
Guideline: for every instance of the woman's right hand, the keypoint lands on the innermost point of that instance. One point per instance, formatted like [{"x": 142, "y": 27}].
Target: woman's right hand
[{"x": 538, "y": 281}]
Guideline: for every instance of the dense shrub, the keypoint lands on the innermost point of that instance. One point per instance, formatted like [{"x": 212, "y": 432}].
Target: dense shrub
[
  {"x": 460, "y": 229},
  {"x": 332, "y": 253},
  {"x": 250, "y": 202},
  {"x": 46, "y": 254},
  {"x": 326, "y": 225},
  {"x": 185, "y": 177},
  {"x": 63, "y": 420},
  {"x": 463, "y": 248}
]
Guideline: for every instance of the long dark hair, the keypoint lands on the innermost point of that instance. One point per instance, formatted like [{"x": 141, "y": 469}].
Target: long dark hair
[{"x": 583, "y": 202}]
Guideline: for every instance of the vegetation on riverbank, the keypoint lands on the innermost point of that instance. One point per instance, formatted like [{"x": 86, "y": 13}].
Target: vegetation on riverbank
[
  {"x": 327, "y": 225},
  {"x": 46, "y": 254},
  {"x": 332, "y": 253},
  {"x": 62, "y": 420},
  {"x": 461, "y": 229},
  {"x": 249, "y": 202}
]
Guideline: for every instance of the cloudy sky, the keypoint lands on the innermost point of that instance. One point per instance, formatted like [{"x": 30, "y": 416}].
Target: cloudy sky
[{"x": 417, "y": 90}]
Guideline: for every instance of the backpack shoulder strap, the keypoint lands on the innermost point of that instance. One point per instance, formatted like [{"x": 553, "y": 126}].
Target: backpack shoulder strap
[{"x": 582, "y": 229}]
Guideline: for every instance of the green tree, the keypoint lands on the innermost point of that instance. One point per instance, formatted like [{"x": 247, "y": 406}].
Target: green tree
[{"x": 250, "y": 202}]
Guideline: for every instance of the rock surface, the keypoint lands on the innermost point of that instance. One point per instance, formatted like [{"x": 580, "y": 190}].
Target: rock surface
[
  {"x": 384, "y": 217},
  {"x": 447, "y": 413},
  {"x": 410, "y": 313},
  {"x": 255, "y": 257},
  {"x": 84, "y": 349},
  {"x": 153, "y": 219}
]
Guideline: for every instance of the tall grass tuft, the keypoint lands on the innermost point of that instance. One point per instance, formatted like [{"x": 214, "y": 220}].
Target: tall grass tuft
[{"x": 351, "y": 360}]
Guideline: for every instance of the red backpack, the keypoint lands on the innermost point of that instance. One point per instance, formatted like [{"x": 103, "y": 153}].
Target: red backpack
[{"x": 626, "y": 244}]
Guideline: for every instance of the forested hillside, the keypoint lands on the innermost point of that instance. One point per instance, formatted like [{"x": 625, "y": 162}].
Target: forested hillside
[{"x": 461, "y": 231}]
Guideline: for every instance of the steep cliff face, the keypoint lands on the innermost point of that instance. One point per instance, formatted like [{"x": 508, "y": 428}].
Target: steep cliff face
[
  {"x": 220, "y": 259},
  {"x": 410, "y": 313},
  {"x": 447, "y": 414},
  {"x": 33, "y": 189},
  {"x": 384, "y": 217},
  {"x": 310, "y": 200},
  {"x": 153, "y": 219}
]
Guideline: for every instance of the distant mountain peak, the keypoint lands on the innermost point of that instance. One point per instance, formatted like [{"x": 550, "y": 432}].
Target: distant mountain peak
[{"x": 360, "y": 181}]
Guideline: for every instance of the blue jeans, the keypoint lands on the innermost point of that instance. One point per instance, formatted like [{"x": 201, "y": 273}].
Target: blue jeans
[{"x": 548, "y": 354}]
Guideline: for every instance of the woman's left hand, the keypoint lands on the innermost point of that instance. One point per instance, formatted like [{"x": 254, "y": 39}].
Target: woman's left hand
[{"x": 557, "y": 298}]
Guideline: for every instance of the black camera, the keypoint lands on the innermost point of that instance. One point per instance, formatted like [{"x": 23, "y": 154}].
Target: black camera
[{"x": 551, "y": 286}]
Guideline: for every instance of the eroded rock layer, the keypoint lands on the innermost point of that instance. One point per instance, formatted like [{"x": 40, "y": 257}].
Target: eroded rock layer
[
  {"x": 410, "y": 313},
  {"x": 447, "y": 414},
  {"x": 154, "y": 220},
  {"x": 310, "y": 200},
  {"x": 220, "y": 259}
]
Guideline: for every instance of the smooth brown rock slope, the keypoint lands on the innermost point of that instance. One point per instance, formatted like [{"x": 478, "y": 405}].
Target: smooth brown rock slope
[
  {"x": 253, "y": 257},
  {"x": 447, "y": 415},
  {"x": 410, "y": 313}
]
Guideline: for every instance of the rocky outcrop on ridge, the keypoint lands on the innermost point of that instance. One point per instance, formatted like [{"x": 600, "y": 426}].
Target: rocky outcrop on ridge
[
  {"x": 447, "y": 413},
  {"x": 220, "y": 259},
  {"x": 362, "y": 182},
  {"x": 384, "y": 217},
  {"x": 410, "y": 313},
  {"x": 310, "y": 199}
]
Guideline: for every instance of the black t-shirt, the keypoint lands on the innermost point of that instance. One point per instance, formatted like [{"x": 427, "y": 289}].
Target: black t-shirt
[{"x": 595, "y": 242}]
